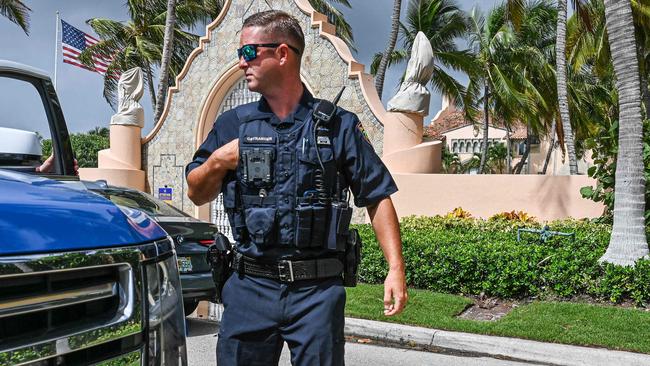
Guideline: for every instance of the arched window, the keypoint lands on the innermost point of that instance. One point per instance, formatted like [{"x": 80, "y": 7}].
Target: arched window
[
  {"x": 462, "y": 147},
  {"x": 477, "y": 147},
  {"x": 454, "y": 147}
]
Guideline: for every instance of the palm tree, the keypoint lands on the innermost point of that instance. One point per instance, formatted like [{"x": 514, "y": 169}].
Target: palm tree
[
  {"x": 16, "y": 12},
  {"x": 139, "y": 42},
  {"x": 392, "y": 39},
  {"x": 641, "y": 13},
  {"x": 516, "y": 79},
  {"x": 590, "y": 74},
  {"x": 490, "y": 41},
  {"x": 450, "y": 162},
  {"x": 168, "y": 42},
  {"x": 551, "y": 147},
  {"x": 442, "y": 21},
  {"x": 334, "y": 16},
  {"x": 628, "y": 242},
  {"x": 560, "y": 59},
  {"x": 497, "y": 157},
  {"x": 515, "y": 11}
]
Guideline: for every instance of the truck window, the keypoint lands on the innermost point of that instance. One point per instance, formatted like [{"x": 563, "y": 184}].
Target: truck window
[{"x": 25, "y": 136}]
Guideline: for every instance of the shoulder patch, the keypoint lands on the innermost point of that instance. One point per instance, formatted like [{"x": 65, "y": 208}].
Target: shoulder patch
[{"x": 363, "y": 132}]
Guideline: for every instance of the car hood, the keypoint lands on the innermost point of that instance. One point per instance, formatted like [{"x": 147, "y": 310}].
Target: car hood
[
  {"x": 39, "y": 215},
  {"x": 188, "y": 227}
]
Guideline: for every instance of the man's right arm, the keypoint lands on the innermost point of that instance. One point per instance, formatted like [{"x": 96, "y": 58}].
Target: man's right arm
[{"x": 204, "y": 181}]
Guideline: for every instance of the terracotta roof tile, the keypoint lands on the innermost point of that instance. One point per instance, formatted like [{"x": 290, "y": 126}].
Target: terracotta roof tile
[{"x": 452, "y": 120}]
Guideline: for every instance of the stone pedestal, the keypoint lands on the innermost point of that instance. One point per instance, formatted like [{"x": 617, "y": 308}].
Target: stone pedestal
[
  {"x": 120, "y": 165},
  {"x": 404, "y": 151}
]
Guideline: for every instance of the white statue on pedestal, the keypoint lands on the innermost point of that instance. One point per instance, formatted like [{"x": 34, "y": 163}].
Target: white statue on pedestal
[
  {"x": 130, "y": 90},
  {"x": 413, "y": 96}
]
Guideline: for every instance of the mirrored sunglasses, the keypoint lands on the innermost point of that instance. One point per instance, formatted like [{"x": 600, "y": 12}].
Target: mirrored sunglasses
[{"x": 249, "y": 51}]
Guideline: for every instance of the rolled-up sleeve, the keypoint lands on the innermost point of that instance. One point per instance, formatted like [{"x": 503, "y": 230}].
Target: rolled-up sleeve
[{"x": 369, "y": 179}]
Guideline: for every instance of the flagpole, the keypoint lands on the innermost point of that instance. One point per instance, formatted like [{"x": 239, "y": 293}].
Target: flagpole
[{"x": 56, "y": 47}]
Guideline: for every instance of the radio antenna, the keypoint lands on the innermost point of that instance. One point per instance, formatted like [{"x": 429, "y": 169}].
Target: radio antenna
[{"x": 338, "y": 96}]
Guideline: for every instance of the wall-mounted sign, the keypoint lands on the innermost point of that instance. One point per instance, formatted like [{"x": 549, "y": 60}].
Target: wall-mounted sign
[{"x": 165, "y": 194}]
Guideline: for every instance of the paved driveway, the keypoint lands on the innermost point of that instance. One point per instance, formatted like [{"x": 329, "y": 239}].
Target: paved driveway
[{"x": 201, "y": 344}]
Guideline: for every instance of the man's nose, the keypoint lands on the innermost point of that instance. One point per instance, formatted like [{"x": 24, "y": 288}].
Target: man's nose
[{"x": 242, "y": 63}]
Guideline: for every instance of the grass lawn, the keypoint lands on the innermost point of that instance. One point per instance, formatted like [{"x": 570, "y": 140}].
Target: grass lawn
[{"x": 559, "y": 322}]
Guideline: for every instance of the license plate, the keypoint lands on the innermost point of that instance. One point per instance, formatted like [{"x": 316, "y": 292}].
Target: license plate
[{"x": 184, "y": 264}]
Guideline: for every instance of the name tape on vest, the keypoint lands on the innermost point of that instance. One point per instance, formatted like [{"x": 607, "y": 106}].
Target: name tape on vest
[{"x": 259, "y": 139}]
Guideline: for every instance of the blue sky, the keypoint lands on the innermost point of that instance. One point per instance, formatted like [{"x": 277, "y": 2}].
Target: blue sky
[{"x": 80, "y": 91}]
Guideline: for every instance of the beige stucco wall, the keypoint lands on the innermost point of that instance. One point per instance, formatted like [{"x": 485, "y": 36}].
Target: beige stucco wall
[{"x": 545, "y": 197}]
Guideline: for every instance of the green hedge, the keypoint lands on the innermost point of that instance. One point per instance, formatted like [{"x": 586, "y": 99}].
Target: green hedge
[{"x": 471, "y": 256}]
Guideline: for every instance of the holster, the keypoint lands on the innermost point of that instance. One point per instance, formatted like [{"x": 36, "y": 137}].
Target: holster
[
  {"x": 219, "y": 257},
  {"x": 352, "y": 259}
]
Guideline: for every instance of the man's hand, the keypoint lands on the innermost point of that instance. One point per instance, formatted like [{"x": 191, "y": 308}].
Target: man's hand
[
  {"x": 204, "y": 182},
  {"x": 395, "y": 295},
  {"x": 228, "y": 154},
  {"x": 48, "y": 165}
]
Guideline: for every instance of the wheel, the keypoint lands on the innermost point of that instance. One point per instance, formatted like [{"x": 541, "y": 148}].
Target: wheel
[{"x": 189, "y": 306}]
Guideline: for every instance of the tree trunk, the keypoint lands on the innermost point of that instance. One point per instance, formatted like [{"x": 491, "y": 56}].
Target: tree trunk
[
  {"x": 168, "y": 43},
  {"x": 486, "y": 127},
  {"x": 152, "y": 91},
  {"x": 519, "y": 166},
  {"x": 645, "y": 94},
  {"x": 551, "y": 147},
  {"x": 509, "y": 156},
  {"x": 383, "y": 64},
  {"x": 560, "y": 56},
  {"x": 628, "y": 242},
  {"x": 643, "y": 78},
  {"x": 522, "y": 162}
]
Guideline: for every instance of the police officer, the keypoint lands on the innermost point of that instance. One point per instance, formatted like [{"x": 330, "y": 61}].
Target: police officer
[{"x": 284, "y": 174}]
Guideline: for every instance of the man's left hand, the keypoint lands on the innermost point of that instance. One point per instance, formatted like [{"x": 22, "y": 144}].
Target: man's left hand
[{"x": 395, "y": 295}]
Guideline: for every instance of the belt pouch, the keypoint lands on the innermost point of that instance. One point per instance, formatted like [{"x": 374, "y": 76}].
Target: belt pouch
[
  {"x": 319, "y": 226},
  {"x": 304, "y": 215},
  {"x": 260, "y": 218},
  {"x": 338, "y": 227}
]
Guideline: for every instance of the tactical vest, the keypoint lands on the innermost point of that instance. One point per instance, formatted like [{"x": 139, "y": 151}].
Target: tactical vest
[{"x": 281, "y": 196}]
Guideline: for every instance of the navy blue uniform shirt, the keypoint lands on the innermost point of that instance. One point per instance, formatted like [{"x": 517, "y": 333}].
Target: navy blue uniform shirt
[{"x": 364, "y": 172}]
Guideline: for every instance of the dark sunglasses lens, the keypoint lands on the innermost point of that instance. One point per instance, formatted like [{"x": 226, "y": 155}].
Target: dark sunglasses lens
[{"x": 248, "y": 52}]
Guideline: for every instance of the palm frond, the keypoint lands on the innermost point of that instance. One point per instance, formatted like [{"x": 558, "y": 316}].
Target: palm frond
[
  {"x": 17, "y": 12},
  {"x": 396, "y": 57},
  {"x": 335, "y": 16}
]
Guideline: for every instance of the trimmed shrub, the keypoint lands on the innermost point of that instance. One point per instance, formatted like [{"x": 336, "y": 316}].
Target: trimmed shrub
[{"x": 472, "y": 256}]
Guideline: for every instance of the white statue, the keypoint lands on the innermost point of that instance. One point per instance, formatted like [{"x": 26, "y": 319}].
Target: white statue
[
  {"x": 413, "y": 96},
  {"x": 130, "y": 89}
]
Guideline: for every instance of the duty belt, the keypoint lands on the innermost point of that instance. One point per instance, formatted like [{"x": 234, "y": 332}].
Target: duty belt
[{"x": 288, "y": 271}]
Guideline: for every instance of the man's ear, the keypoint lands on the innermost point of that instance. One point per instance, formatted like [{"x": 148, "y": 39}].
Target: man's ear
[{"x": 283, "y": 50}]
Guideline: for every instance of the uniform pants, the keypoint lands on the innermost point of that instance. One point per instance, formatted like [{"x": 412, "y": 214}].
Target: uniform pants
[{"x": 260, "y": 314}]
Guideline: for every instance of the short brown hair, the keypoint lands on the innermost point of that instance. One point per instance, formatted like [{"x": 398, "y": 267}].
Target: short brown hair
[{"x": 280, "y": 24}]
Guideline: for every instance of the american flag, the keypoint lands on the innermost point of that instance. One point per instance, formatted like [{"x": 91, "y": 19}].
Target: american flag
[{"x": 73, "y": 42}]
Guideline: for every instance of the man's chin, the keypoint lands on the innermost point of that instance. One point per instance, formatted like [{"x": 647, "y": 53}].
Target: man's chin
[{"x": 252, "y": 86}]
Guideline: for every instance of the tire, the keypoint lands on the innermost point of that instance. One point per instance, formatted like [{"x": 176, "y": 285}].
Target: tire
[{"x": 190, "y": 306}]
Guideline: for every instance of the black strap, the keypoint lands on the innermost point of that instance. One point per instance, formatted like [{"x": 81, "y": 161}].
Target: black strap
[{"x": 288, "y": 271}]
